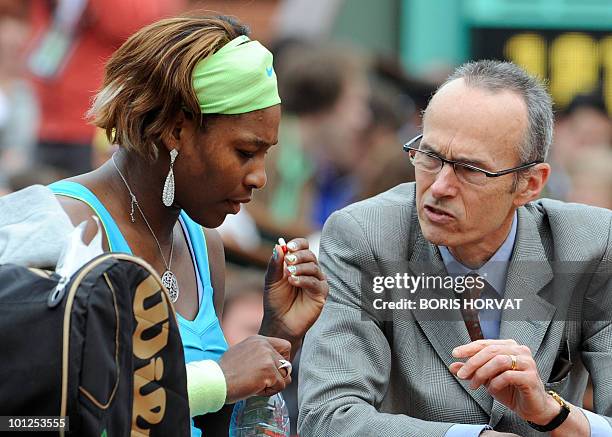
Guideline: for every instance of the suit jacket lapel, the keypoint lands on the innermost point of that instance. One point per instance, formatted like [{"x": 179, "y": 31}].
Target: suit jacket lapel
[
  {"x": 529, "y": 272},
  {"x": 446, "y": 329}
]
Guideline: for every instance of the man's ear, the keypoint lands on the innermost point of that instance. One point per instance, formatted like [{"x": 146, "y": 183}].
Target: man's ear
[
  {"x": 176, "y": 133},
  {"x": 530, "y": 185}
]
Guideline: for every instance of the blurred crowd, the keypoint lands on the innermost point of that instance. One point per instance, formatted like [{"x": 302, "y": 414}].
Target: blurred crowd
[{"x": 346, "y": 114}]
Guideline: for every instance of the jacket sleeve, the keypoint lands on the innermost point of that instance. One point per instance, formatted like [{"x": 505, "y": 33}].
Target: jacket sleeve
[{"x": 346, "y": 358}]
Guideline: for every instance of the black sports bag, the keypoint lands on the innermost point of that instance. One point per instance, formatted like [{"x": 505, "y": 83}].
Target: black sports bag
[{"x": 104, "y": 350}]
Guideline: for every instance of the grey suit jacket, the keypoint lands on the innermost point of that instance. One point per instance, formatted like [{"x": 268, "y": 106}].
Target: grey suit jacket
[{"x": 374, "y": 373}]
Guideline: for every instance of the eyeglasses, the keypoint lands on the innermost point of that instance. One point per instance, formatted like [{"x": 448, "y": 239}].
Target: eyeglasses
[{"x": 431, "y": 163}]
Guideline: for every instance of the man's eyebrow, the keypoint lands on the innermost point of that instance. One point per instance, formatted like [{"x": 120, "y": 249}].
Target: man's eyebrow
[
  {"x": 473, "y": 161},
  {"x": 427, "y": 148},
  {"x": 467, "y": 160}
]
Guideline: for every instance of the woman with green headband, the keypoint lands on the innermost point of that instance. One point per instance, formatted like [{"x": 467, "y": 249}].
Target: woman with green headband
[{"x": 193, "y": 105}]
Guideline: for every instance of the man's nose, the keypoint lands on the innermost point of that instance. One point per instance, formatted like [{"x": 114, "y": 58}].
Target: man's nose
[{"x": 445, "y": 183}]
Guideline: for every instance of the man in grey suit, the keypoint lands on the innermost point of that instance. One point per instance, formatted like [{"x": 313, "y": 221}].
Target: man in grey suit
[{"x": 384, "y": 360}]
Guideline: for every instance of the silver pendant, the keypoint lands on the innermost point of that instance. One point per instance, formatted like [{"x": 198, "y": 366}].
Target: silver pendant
[
  {"x": 171, "y": 284},
  {"x": 134, "y": 202}
]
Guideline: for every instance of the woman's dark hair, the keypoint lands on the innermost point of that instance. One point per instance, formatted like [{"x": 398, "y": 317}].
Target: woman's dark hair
[{"x": 148, "y": 80}]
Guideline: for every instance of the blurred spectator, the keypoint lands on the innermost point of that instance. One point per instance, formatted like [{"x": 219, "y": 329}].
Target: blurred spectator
[
  {"x": 590, "y": 174},
  {"x": 385, "y": 164},
  {"x": 34, "y": 175},
  {"x": 18, "y": 107},
  {"x": 588, "y": 122},
  {"x": 307, "y": 19},
  {"x": 396, "y": 105},
  {"x": 243, "y": 305},
  {"x": 258, "y": 15},
  {"x": 72, "y": 40},
  {"x": 584, "y": 125},
  {"x": 415, "y": 92},
  {"x": 312, "y": 172}
]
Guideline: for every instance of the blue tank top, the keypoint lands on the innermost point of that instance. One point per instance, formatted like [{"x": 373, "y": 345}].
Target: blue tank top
[{"x": 202, "y": 337}]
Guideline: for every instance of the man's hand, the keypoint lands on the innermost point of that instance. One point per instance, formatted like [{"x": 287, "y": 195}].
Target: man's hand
[
  {"x": 295, "y": 292},
  {"x": 521, "y": 390}
]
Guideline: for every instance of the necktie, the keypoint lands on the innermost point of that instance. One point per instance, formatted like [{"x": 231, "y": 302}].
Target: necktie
[{"x": 468, "y": 310}]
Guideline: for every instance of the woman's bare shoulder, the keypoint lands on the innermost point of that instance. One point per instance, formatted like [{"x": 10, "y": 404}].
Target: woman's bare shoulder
[{"x": 80, "y": 212}]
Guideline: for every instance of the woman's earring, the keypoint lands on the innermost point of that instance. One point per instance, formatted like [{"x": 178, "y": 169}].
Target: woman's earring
[{"x": 168, "y": 194}]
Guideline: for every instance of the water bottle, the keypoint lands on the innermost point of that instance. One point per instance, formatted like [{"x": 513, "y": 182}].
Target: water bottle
[{"x": 260, "y": 416}]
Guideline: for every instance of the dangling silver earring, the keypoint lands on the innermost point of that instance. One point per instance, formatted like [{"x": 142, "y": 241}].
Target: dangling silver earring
[{"x": 168, "y": 194}]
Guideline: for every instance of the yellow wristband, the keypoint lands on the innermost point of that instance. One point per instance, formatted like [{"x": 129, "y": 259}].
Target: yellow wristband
[{"x": 206, "y": 387}]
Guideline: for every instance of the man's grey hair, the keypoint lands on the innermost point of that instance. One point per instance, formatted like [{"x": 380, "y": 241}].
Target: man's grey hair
[{"x": 498, "y": 75}]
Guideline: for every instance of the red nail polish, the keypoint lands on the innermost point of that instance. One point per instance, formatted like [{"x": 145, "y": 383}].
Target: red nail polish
[{"x": 283, "y": 244}]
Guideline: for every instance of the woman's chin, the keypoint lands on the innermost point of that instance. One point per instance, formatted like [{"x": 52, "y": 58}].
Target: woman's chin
[
  {"x": 215, "y": 222},
  {"x": 211, "y": 220}
]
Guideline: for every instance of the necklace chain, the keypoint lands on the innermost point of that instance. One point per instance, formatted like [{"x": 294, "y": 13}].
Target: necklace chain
[{"x": 135, "y": 202}]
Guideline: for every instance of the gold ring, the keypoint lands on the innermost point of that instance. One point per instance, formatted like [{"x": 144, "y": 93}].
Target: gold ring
[{"x": 513, "y": 366}]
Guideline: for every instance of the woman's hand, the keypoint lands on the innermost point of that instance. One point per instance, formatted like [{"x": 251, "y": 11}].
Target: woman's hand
[
  {"x": 295, "y": 292},
  {"x": 251, "y": 368}
]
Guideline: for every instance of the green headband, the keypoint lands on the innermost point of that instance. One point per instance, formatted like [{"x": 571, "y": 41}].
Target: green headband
[{"x": 236, "y": 79}]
